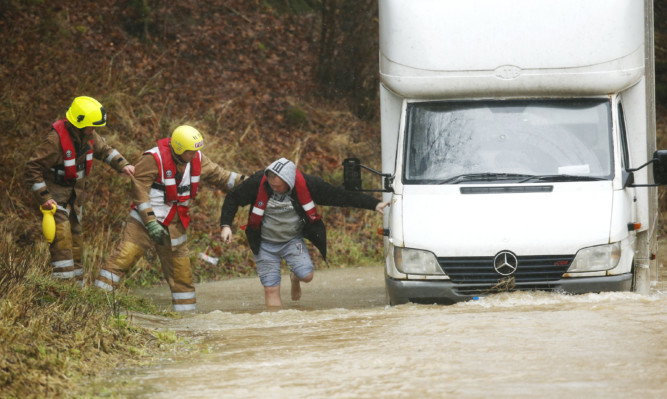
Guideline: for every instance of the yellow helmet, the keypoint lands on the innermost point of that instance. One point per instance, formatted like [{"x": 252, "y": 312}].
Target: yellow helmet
[
  {"x": 186, "y": 138},
  {"x": 86, "y": 111}
]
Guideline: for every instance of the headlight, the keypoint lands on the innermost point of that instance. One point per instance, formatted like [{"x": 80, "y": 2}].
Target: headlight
[
  {"x": 414, "y": 261},
  {"x": 594, "y": 259}
]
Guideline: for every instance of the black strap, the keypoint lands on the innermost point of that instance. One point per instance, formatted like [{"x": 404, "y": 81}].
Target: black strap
[{"x": 161, "y": 187}]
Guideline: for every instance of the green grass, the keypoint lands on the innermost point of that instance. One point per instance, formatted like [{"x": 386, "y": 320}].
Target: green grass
[{"x": 53, "y": 330}]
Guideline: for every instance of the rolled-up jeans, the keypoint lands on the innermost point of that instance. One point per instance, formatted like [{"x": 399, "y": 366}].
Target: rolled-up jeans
[{"x": 270, "y": 256}]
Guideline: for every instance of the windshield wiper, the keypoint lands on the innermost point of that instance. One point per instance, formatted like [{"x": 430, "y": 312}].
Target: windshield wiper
[
  {"x": 557, "y": 178},
  {"x": 485, "y": 177}
]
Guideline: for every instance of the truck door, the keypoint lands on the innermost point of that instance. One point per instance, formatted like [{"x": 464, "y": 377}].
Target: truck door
[{"x": 630, "y": 195}]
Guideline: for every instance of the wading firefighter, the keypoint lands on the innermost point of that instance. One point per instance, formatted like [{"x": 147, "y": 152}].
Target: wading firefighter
[
  {"x": 57, "y": 173},
  {"x": 165, "y": 182}
]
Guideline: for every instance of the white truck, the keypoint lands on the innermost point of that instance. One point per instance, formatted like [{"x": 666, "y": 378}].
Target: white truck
[{"x": 515, "y": 140}]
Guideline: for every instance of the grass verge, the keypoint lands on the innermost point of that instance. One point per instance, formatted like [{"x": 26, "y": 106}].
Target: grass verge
[{"x": 55, "y": 332}]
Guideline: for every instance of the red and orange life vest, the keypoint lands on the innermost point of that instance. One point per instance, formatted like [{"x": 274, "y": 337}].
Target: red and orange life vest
[
  {"x": 178, "y": 193},
  {"x": 69, "y": 154},
  {"x": 302, "y": 193}
]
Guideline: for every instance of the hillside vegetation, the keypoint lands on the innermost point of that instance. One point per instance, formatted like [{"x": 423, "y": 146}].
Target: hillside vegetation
[{"x": 240, "y": 71}]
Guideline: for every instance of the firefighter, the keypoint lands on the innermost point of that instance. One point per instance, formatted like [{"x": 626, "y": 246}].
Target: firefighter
[
  {"x": 57, "y": 173},
  {"x": 165, "y": 182}
]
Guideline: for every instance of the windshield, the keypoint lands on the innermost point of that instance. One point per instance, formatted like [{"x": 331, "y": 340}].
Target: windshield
[{"x": 520, "y": 141}]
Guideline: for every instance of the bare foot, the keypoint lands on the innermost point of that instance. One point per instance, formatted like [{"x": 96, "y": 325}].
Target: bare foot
[{"x": 296, "y": 286}]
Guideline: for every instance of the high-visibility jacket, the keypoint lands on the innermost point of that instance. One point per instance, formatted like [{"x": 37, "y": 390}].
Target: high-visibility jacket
[
  {"x": 45, "y": 170},
  {"x": 69, "y": 154},
  {"x": 171, "y": 193}
]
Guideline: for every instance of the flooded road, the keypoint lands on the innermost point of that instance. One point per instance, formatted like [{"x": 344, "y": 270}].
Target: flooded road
[{"x": 341, "y": 341}]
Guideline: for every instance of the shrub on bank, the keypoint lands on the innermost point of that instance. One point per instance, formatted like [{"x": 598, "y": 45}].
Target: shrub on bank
[{"x": 52, "y": 331}]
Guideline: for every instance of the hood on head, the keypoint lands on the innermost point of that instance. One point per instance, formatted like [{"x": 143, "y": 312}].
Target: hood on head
[{"x": 285, "y": 169}]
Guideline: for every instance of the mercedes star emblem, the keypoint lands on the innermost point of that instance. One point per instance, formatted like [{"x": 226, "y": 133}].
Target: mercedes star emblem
[{"x": 505, "y": 263}]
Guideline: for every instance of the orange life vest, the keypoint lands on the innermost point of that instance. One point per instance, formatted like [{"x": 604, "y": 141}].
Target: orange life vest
[
  {"x": 178, "y": 193},
  {"x": 302, "y": 193},
  {"x": 69, "y": 154}
]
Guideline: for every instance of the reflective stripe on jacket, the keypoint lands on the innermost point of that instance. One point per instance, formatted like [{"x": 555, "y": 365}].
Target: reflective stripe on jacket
[
  {"x": 69, "y": 154},
  {"x": 170, "y": 195}
]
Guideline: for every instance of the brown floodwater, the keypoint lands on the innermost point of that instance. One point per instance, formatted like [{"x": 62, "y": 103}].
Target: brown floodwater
[{"x": 342, "y": 341}]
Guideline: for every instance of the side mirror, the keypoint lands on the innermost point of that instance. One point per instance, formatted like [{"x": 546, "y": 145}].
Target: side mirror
[
  {"x": 352, "y": 176},
  {"x": 660, "y": 167}
]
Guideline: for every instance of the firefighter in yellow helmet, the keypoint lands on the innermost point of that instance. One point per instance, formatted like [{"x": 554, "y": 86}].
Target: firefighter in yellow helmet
[
  {"x": 166, "y": 181},
  {"x": 56, "y": 174}
]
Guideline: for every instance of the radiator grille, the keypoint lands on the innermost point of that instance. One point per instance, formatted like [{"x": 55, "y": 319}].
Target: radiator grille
[{"x": 476, "y": 275}]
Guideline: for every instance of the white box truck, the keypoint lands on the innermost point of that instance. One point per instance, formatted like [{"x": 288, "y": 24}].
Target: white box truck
[{"x": 516, "y": 136}]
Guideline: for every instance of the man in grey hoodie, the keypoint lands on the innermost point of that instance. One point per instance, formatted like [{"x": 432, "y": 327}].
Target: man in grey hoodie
[{"x": 283, "y": 214}]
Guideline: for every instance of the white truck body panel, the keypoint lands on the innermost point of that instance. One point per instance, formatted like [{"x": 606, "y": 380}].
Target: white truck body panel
[
  {"x": 440, "y": 51},
  {"x": 446, "y": 35},
  {"x": 551, "y": 223}
]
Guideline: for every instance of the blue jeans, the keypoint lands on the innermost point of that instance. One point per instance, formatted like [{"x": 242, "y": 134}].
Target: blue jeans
[{"x": 270, "y": 256}]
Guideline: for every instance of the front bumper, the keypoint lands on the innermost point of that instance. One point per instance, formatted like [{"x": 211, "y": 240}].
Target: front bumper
[{"x": 446, "y": 292}]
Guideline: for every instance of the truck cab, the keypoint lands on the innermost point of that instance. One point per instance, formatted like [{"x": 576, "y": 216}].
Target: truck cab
[{"x": 518, "y": 146}]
